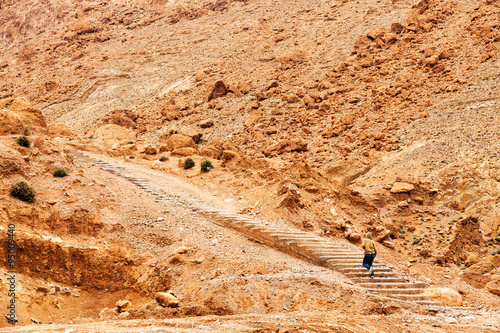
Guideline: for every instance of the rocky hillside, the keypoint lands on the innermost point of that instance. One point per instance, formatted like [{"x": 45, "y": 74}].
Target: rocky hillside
[{"x": 337, "y": 117}]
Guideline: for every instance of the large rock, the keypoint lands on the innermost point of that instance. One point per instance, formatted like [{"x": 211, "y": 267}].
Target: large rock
[
  {"x": 218, "y": 90},
  {"x": 177, "y": 141},
  {"x": 186, "y": 151},
  {"x": 82, "y": 27},
  {"x": 10, "y": 123},
  {"x": 17, "y": 114},
  {"x": 401, "y": 187},
  {"x": 167, "y": 300},
  {"x": 191, "y": 132},
  {"x": 446, "y": 296},
  {"x": 123, "y": 305},
  {"x": 58, "y": 129},
  {"x": 494, "y": 287}
]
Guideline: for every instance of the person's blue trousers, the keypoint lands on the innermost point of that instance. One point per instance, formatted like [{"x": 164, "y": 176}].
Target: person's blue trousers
[{"x": 368, "y": 261}]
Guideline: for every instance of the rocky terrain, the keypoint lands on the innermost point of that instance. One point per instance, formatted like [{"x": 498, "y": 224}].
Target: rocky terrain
[{"x": 332, "y": 117}]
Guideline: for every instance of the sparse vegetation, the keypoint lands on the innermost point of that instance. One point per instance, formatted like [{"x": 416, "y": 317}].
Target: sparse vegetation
[
  {"x": 23, "y": 141},
  {"x": 60, "y": 173},
  {"x": 188, "y": 163},
  {"x": 163, "y": 158},
  {"x": 206, "y": 166},
  {"x": 22, "y": 191},
  {"x": 130, "y": 142},
  {"x": 416, "y": 240},
  {"x": 131, "y": 157}
]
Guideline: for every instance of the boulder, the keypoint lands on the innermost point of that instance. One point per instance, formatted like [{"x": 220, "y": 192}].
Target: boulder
[
  {"x": 382, "y": 235},
  {"x": 447, "y": 296},
  {"x": 403, "y": 204},
  {"x": 17, "y": 114},
  {"x": 228, "y": 155},
  {"x": 401, "y": 187},
  {"x": 207, "y": 123},
  {"x": 167, "y": 300},
  {"x": 218, "y": 90},
  {"x": 123, "y": 305},
  {"x": 82, "y": 27},
  {"x": 151, "y": 150},
  {"x": 186, "y": 151},
  {"x": 190, "y": 132},
  {"x": 177, "y": 141},
  {"x": 58, "y": 129},
  {"x": 494, "y": 287},
  {"x": 354, "y": 237}
]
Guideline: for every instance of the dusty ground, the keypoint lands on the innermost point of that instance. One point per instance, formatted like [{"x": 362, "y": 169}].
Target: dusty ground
[{"x": 328, "y": 105}]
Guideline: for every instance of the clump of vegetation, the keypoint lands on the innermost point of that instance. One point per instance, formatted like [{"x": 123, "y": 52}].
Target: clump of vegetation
[
  {"x": 130, "y": 142},
  {"x": 23, "y": 141},
  {"x": 22, "y": 191},
  {"x": 416, "y": 240},
  {"x": 188, "y": 163},
  {"x": 132, "y": 157},
  {"x": 163, "y": 158},
  {"x": 206, "y": 166},
  {"x": 60, "y": 173}
]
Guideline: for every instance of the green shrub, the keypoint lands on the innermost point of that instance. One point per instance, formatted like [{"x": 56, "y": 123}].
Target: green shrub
[
  {"x": 163, "y": 158},
  {"x": 60, "y": 173},
  {"x": 188, "y": 163},
  {"x": 21, "y": 190},
  {"x": 130, "y": 142},
  {"x": 132, "y": 157},
  {"x": 206, "y": 166},
  {"x": 23, "y": 141}
]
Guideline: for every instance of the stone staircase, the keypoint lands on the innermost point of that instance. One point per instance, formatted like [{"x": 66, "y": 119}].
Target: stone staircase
[{"x": 338, "y": 255}]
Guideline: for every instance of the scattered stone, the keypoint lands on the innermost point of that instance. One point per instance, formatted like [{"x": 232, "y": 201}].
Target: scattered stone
[
  {"x": 108, "y": 313},
  {"x": 186, "y": 151},
  {"x": 123, "y": 305},
  {"x": 403, "y": 204},
  {"x": 166, "y": 300},
  {"x": 207, "y": 123},
  {"x": 354, "y": 237},
  {"x": 401, "y": 187},
  {"x": 228, "y": 155},
  {"x": 177, "y": 141},
  {"x": 382, "y": 235},
  {"x": 388, "y": 244},
  {"x": 219, "y": 89},
  {"x": 493, "y": 287},
  {"x": 151, "y": 150},
  {"x": 447, "y": 296},
  {"x": 124, "y": 315}
]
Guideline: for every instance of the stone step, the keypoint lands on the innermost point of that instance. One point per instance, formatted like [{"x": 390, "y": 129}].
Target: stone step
[
  {"x": 365, "y": 274},
  {"x": 378, "y": 279},
  {"x": 374, "y": 285},
  {"x": 398, "y": 291},
  {"x": 353, "y": 265},
  {"x": 411, "y": 297},
  {"x": 362, "y": 269}
]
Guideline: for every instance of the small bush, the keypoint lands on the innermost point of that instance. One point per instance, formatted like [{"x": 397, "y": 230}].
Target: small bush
[
  {"x": 22, "y": 191},
  {"x": 188, "y": 163},
  {"x": 206, "y": 166},
  {"x": 130, "y": 142},
  {"x": 163, "y": 158},
  {"x": 60, "y": 173},
  {"x": 23, "y": 141},
  {"x": 132, "y": 157}
]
